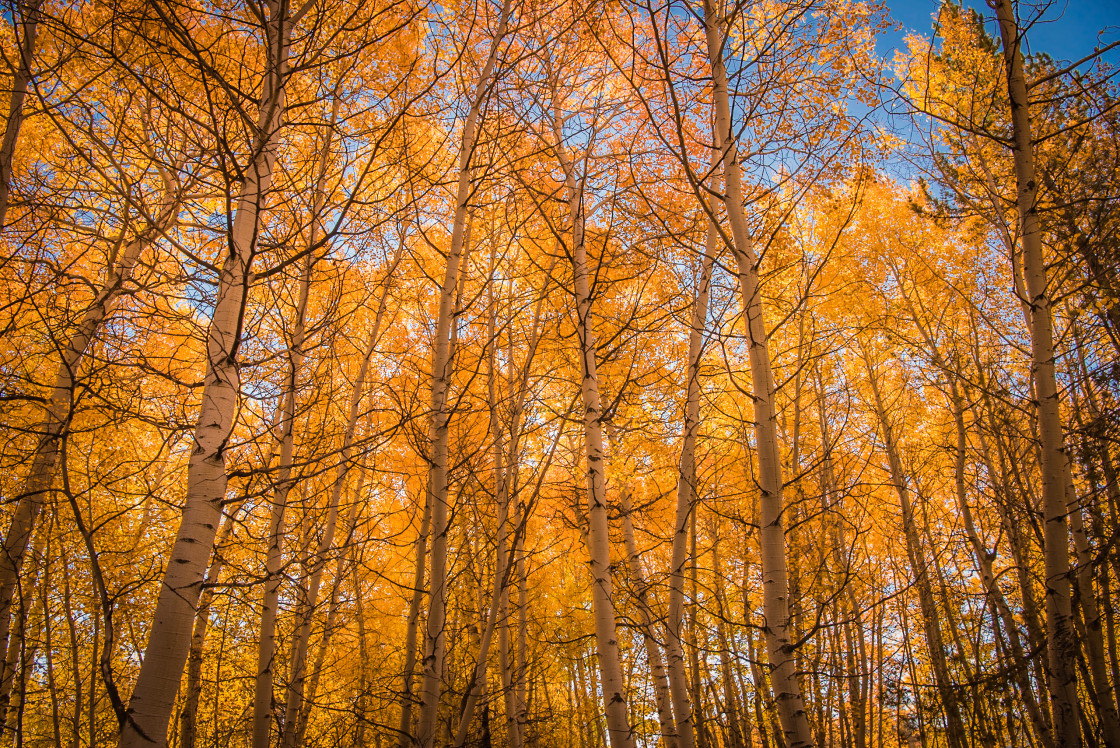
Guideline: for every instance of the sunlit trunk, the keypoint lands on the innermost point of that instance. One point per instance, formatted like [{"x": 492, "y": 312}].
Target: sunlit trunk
[
  {"x": 188, "y": 718},
  {"x": 149, "y": 709},
  {"x": 1061, "y": 638},
  {"x": 775, "y": 582},
  {"x": 266, "y": 647},
  {"x": 598, "y": 528},
  {"x": 29, "y": 23}
]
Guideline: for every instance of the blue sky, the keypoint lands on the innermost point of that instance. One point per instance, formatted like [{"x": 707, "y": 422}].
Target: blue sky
[{"x": 1068, "y": 30}]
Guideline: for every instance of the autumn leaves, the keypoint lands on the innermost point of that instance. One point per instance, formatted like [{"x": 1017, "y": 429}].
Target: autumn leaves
[{"x": 501, "y": 373}]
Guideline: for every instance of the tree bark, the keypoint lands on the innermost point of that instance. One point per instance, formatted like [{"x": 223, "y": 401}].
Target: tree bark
[
  {"x": 434, "y": 642},
  {"x": 598, "y": 532},
  {"x": 29, "y": 19},
  {"x": 1061, "y": 639},
  {"x": 188, "y": 719},
  {"x": 149, "y": 709},
  {"x": 648, "y": 621},
  {"x": 779, "y": 645},
  {"x": 404, "y": 729}
]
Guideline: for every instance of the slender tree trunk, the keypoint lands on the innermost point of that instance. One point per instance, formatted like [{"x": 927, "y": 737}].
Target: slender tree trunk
[
  {"x": 21, "y": 648},
  {"x": 686, "y": 486},
  {"x": 330, "y": 625},
  {"x": 506, "y": 460},
  {"x": 648, "y": 621},
  {"x": 75, "y": 667},
  {"x": 1092, "y": 634},
  {"x": 29, "y": 20},
  {"x": 1036, "y": 638},
  {"x": 506, "y": 667},
  {"x": 522, "y": 678},
  {"x": 48, "y": 646},
  {"x": 404, "y": 729},
  {"x": 598, "y": 532},
  {"x": 298, "y": 667},
  {"x": 434, "y": 641},
  {"x": 984, "y": 559},
  {"x": 477, "y": 683},
  {"x": 731, "y": 702},
  {"x": 153, "y": 697},
  {"x": 775, "y": 582},
  {"x": 931, "y": 616},
  {"x": 305, "y": 614},
  {"x": 188, "y": 719},
  {"x": 695, "y": 676},
  {"x": 362, "y": 705},
  {"x": 521, "y": 518},
  {"x": 266, "y": 651},
  {"x": 761, "y": 694},
  {"x": 853, "y": 654},
  {"x": 505, "y": 560},
  {"x": 1061, "y": 639}
]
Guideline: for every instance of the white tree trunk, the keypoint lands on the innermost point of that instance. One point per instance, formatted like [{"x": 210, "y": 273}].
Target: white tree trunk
[
  {"x": 686, "y": 481},
  {"x": 1061, "y": 639},
  {"x": 775, "y": 583},
  {"x": 149, "y": 709},
  {"x": 654, "y": 657},
  {"x": 434, "y": 643},
  {"x": 598, "y": 528},
  {"x": 188, "y": 718},
  {"x": 266, "y": 649}
]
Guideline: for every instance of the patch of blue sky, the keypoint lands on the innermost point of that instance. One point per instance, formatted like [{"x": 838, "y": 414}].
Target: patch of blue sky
[{"x": 1067, "y": 29}]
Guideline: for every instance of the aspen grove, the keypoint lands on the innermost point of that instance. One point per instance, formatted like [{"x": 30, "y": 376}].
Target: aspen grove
[{"x": 560, "y": 373}]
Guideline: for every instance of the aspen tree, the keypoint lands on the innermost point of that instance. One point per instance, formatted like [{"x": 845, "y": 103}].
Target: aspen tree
[
  {"x": 434, "y": 638},
  {"x": 44, "y": 461},
  {"x": 266, "y": 647},
  {"x": 931, "y": 616},
  {"x": 787, "y": 692},
  {"x": 298, "y": 666},
  {"x": 982, "y": 555},
  {"x": 513, "y": 683},
  {"x": 188, "y": 718},
  {"x": 1061, "y": 639},
  {"x": 330, "y": 626},
  {"x": 29, "y": 16},
  {"x": 149, "y": 709},
  {"x": 598, "y": 532},
  {"x": 505, "y": 556},
  {"x": 508, "y": 488},
  {"x": 654, "y": 656},
  {"x": 686, "y": 482},
  {"x": 412, "y": 625}
]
